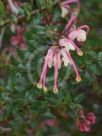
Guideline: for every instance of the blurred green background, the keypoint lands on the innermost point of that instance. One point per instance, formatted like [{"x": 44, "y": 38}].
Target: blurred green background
[{"x": 91, "y": 15}]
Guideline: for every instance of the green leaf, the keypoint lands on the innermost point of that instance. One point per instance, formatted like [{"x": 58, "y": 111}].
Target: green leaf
[
  {"x": 100, "y": 56},
  {"x": 79, "y": 98},
  {"x": 20, "y": 82},
  {"x": 48, "y": 114},
  {"x": 27, "y": 10},
  {"x": 94, "y": 69},
  {"x": 2, "y": 13},
  {"x": 40, "y": 3},
  {"x": 48, "y": 4},
  {"x": 14, "y": 61},
  {"x": 37, "y": 19},
  {"x": 56, "y": 14},
  {"x": 20, "y": 53},
  {"x": 92, "y": 54},
  {"x": 2, "y": 9},
  {"x": 44, "y": 4}
]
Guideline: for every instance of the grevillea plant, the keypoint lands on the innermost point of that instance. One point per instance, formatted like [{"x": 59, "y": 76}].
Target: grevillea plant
[
  {"x": 60, "y": 50},
  {"x": 49, "y": 68}
]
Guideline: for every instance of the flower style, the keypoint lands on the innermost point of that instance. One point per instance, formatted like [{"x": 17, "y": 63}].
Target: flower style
[
  {"x": 84, "y": 122},
  {"x": 67, "y": 59}
]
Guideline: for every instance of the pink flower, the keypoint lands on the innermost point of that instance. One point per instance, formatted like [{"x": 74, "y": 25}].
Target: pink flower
[
  {"x": 52, "y": 57},
  {"x": 70, "y": 45},
  {"x": 67, "y": 59},
  {"x": 91, "y": 117},
  {"x": 84, "y": 127},
  {"x": 66, "y": 8},
  {"x": 17, "y": 39},
  {"x": 85, "y": 122},
  {"x": 79, "y": 34},
  {"x": 55, "y": 56},
  {"x": 49, "y": 122},
  {"x": 61, "y": 52}
]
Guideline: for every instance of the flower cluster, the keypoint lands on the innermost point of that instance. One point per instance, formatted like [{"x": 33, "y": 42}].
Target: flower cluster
[
  {"x": 60, "y": 53},
  {"x": 84, "y": 122}
]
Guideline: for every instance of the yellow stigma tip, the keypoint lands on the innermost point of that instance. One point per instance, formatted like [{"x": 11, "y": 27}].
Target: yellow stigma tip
[
  {"x": 78, "y": 79},
  {"x": 80, "y": 53},
  {"x": 39, "y": 86},
  {"x": 45, "y": 89},
  {"x": 55, "y": 91}
]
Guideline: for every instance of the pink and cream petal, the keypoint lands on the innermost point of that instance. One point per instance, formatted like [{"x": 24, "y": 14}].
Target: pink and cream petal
[
  {"x": 65, "y": 43},
  {"x": 65, "y": 58},
  {"x": 80, "y": 53},
  {"x": 73, "y": 35},
  {"x": 82, "y": 36}
]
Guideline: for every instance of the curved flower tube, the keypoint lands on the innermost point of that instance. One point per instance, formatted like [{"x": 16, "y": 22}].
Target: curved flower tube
[
  {"x": 84, "y": 27},
  {"x": 78, "y": 34}
]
